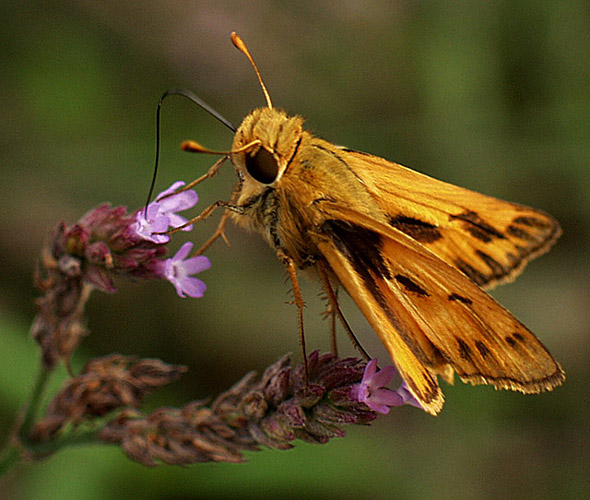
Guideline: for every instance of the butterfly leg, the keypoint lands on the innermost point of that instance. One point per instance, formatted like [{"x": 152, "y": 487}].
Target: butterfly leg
[
  {"x": 333, "y": 298},
  {"x": 220, "y": 231},
  {"x": 298, "y": 299},
  {"x": 330, "y": 313}
]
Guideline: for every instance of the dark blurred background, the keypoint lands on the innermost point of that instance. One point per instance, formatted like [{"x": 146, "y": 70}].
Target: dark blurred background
[{"x": 493, "y": 96}]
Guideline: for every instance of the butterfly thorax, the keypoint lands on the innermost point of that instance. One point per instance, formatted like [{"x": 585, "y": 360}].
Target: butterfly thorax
[{"x": 288, "y": 176}]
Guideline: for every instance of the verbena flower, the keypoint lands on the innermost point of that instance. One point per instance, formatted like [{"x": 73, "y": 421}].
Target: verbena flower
[
  {"x": 178, "y": 271},
  {"x": 107, "y": 242},
  {"x": 161, "y": 215},
  {"x": 372, "y": 391}
]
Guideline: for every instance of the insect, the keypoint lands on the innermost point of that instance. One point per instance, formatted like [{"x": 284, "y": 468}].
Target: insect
[{"x": 414, "y": 253}]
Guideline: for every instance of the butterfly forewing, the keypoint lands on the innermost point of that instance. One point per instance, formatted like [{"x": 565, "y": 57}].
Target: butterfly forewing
[{"x": 487, "y": 239}]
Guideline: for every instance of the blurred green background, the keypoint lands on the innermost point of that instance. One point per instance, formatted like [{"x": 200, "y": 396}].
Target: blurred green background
[{"x": 494, "y": 96}]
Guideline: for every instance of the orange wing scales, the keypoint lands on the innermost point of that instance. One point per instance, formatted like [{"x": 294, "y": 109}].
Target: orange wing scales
[
  {"x": 430, "y": 317},
  {"x": 487, "y": 239}
]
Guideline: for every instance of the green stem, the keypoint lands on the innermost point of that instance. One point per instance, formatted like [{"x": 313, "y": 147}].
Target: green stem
[
  {"x": 34, "y": 403},
  {"x": 24, "y": 423}
]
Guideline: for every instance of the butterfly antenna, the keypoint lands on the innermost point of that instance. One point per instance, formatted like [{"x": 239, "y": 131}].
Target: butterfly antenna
[
  {"x": 199, "y": 102},
  {"x": 241, "y": 46}
]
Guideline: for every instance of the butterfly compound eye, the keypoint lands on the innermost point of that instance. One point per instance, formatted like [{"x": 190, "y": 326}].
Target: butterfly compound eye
[{"x": 262, "y": 166}]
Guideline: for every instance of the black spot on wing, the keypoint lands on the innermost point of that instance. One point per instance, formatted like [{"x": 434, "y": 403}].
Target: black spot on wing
[
  {"x": 473, "y": 274},
  {"x": 464, "y": 350},
  {"x": 361, "y": 246},
  {"x": 532, "y": 222},
  {"x": 477, "y": 227},
  {"x": 410, "y": 285},
  {"x": 497, "y": 269},
  {"x": 421, "y": 231},
  {"x": 460, "y": 298},
  {"x": 519, "y": 233},
  {"x": 482, "y": 348}
]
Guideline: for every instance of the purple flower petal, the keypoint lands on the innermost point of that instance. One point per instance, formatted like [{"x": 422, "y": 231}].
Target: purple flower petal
[
  {"x": 177, "y": 221},
  {"x": 193, "y": 287},
  {"x": 372, "y": 391},
  {"x": 196, "y": 264},
  {"x": 177, "y": 270},
  {"x": 160, "y": 215},
  {"x": 382, "y": 378},
  {"x": 170, "y": 202},
  {"x": 407, "y": 396},
  {"x": 171, "y": 189},
  {"x": 183, "y": 252},
  {"x": 152, "y": 221}
]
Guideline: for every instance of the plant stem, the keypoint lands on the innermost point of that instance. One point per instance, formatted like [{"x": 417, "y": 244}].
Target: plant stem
[
  {"x": 34, "y": 402},
  {"x": 24, "y": 423}
]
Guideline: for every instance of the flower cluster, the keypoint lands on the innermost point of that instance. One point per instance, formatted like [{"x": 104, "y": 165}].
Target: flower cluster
[
  {"x": 274, "y": 411},
  {"x": 104, "y": 243},
  {"x": 103, "y": 385}
]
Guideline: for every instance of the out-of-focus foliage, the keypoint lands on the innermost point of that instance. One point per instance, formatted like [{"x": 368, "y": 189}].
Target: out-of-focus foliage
[{"x": 494, "y": 96}]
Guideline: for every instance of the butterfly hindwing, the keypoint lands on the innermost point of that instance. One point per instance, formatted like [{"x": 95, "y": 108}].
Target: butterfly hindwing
[{"x": 418, "y": 303}]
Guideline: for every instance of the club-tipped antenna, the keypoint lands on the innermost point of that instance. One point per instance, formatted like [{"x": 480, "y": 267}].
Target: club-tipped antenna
[
  {"x": 241, "y": 46},
  {"x": 199, "y": 102}
]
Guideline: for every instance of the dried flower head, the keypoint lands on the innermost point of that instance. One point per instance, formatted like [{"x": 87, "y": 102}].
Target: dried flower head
[
  {"x": 105, "y": 384},
  {"x": 274, "y": 411}
]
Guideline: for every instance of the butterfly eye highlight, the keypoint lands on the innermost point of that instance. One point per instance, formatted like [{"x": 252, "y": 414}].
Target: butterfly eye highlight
[{"x": 263, "y": 166}]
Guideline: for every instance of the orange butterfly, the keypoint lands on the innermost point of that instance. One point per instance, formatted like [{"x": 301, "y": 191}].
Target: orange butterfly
[{"x": 414, "y": 253}]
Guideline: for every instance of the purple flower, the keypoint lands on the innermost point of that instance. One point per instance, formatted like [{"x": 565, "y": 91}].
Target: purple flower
[
  {"x": 160, "y": 214},
  {"x": 178, "y": 271},
  {"x": 372, "y": 391},
  {"x": 407, "y": 396}
]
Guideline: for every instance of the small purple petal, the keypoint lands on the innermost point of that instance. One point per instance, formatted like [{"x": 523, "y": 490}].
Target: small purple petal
[
  {"x": 383, "y": 377},
  {"x": 170, "y": 202},
  {"x": 407, "y": 396},
  {"x": 152, "y": 221},
  {"x": 197, "y": 264},
  {"x": 171, "y": 189},
  {"x": 193, "y": 287},
  {"x": 177, "y": 221},
  {"x": 370, "y": 370},
  {"x": 178, "y": 271},
  {"x": 160, "y": 215},
  {"x": 179, "y": 201},
  {"x": 183, "y": 252},
  {"x": 389, "y": 397}
]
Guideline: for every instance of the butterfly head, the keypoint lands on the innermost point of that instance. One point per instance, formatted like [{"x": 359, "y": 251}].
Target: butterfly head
[{"x": 265, "y": 143}]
